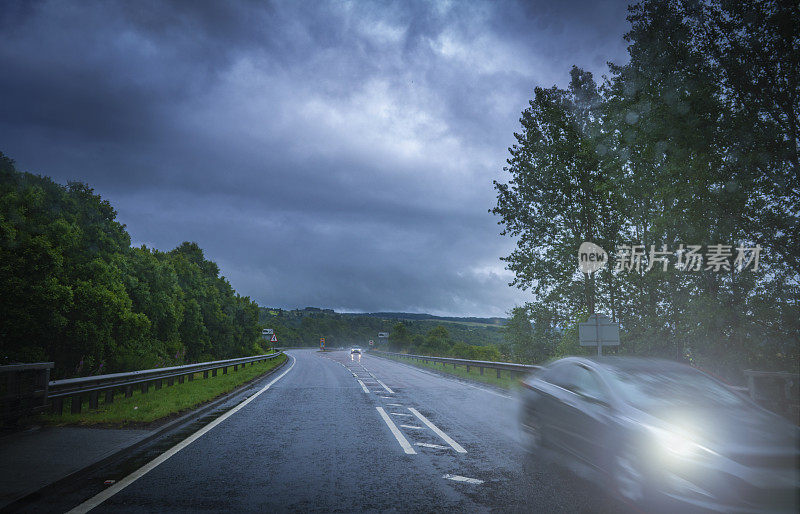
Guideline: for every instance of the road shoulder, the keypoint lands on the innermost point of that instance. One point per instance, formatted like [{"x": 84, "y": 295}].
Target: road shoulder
[{"x": 42, "y": 460}]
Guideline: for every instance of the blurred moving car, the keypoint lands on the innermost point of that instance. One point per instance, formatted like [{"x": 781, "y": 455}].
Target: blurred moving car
[
  {"x": 355, "y": 350},
  {"x": 663, "y": 435}
]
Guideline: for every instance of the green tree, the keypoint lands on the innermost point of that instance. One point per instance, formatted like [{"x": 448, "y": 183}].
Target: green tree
[
  {"x": 398, "y": 337},
  {"x": 682, "y": 145},
  {"x": 75, "y": 292},
  {"x": 560, "y": 193}
]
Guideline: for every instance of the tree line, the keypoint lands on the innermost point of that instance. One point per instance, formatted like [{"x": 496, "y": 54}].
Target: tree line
[
  {"x": 438, "y": 342},
  {"x": 74, "y": 291},
  {"x": 683, "y": 165},
  {"x": 305, "y": 328}
]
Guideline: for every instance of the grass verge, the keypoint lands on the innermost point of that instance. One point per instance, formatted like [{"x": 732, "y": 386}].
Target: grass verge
[
  {"x": 507, "y": 380},
  {"x": 141, "y": 408}
]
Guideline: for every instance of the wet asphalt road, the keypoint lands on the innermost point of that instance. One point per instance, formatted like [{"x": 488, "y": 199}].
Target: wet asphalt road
[{"x": 316, "y": 441}]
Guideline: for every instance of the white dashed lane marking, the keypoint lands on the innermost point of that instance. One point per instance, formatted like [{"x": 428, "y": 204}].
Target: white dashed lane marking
[
  {"x": 388, "y": 390},
  {"x": 449, "y": 440},
  {"x": 396, "y": 432},
  {"x": 459, "y": 478}
]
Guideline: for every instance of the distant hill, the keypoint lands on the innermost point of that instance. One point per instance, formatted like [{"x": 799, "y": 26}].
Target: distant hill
[
  {"x": 304, "y": 327},
  {"x": 423, "y": 316},
  {"x": 414, "y": 316}
]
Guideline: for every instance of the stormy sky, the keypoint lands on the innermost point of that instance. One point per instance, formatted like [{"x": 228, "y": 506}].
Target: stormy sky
[{"x": 330, "y": 154}]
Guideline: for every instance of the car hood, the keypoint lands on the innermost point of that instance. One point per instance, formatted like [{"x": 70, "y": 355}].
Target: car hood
[{"x": 730, "y": 430}]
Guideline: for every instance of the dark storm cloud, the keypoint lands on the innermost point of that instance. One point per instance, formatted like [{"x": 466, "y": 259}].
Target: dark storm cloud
[{"x": 324, "y": 153}]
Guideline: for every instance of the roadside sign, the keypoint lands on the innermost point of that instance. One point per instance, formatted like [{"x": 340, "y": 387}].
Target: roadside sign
[
  {"x": 322, "y": 342},
  {"x": 371, "y": 342},
  {"x": 598, "y": 331},
  {"x": 267, "y": 332},
  {"x": 383, "y": 335},
  {"x": 274, "y": 338}
]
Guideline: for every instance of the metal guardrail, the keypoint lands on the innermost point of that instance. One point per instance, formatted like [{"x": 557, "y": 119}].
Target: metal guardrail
[
  {"x": 775, "y": 390},
  {"x": 481, "y": 365},
  {"x": 76, "y": 389},
  {"x": 23, "y": 389}
]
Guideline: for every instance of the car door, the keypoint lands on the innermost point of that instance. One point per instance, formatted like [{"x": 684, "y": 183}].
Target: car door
[
  {"x": 586, "y": 415},
  {"x": 556, "y": 405}
]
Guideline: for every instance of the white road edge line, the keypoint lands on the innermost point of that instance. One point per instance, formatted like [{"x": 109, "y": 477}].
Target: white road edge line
[
  {"x": 104, "y": 495},
  {"x": 396, "y": 432},
  {"x": 457, "y": 447},
  {"x": 383, "y": 385},
  {"x": 459, "y": 478},
  {"x": 363, "y": 387},
  {"x": 429, "y": 445}
]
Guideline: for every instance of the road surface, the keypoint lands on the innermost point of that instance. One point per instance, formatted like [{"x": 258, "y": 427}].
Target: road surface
[{"x": 335, "y": 433}]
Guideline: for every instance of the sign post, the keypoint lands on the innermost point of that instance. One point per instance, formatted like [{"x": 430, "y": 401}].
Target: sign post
[
  {"x": 383, "y": 337},
  {"x": 269, "y": 335},
  {"x": 599, "y": 331}
]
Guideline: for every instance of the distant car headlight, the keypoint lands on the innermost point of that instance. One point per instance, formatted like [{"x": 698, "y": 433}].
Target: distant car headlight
[{"x": 677, "y": 444}]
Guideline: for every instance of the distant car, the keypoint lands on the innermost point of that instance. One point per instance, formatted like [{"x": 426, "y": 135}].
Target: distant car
[
  {"x": 355, "y": 350},
  {"x": 663, "y": 435}
]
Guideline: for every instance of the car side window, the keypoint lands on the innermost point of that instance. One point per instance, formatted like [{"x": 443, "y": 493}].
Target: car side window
[
  {"x": 585, "y": 382},
  {"x": 561, "y": 375}
]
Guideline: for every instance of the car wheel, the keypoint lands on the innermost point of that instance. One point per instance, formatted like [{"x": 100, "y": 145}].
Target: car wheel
[
  {"x": 531, "y": 433},
  {"x": 629, "y": 480}
]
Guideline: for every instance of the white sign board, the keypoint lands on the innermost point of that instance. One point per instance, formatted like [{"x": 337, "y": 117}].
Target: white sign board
[
  {"x": 267, "y": 332},
  {"x": 598, "y": 331},
  {"x": 383, "y": 335}
]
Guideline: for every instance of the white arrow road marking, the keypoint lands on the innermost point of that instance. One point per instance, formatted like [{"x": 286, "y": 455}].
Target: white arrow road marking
[
  {"x": 396, "y": 432},
  {"x": 99, "y": 498},
  {"x": 459, "y": 478},
  {"x": 363, "y": 386},
  {"x": 457, "y": 447}
]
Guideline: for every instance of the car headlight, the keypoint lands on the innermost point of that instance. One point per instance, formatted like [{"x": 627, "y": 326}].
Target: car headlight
[{"x": 673, "y": 443}]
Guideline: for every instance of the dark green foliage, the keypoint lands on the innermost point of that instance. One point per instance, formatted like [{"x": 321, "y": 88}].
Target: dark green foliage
[
  {"x": 76, "y": 293},
  {"x": 694, "y": 141},
  {"x": 467, "y": 339}
]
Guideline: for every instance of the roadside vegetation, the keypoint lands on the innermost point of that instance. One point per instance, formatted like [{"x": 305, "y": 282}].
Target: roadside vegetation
[
  {"x": 683, "y": 165},
  {"x": 437, "y": 342},
  {"x": 489, "y": 376},
  {"x": 162, "y": 403},
  {"x": 75, "y": 292},
  {"x": 304, "y": 327}
]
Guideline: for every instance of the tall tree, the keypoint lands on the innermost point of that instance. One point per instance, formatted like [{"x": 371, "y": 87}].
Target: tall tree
[{"x": 560, "y": 194}]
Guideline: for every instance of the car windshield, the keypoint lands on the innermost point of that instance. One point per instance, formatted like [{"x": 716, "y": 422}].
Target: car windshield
[{"x": 661, "y": 388}]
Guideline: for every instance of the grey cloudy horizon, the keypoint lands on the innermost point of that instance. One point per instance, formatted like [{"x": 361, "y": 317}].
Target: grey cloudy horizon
[{"x": 328, "y": 154}]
